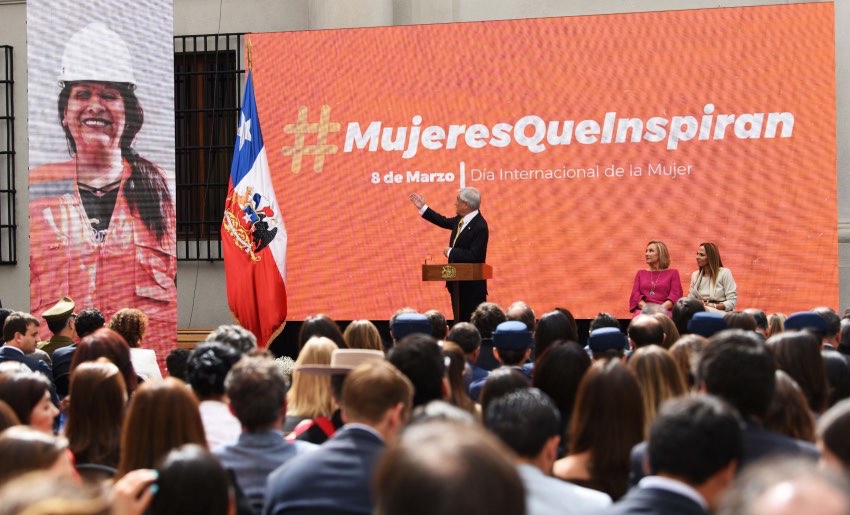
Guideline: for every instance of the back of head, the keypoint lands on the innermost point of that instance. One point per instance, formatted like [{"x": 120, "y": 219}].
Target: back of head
[
  {"x": 131, "y": 324},
  {"x": 832, "y": 430},
  {"x": 207, "y": 367},
  {"x": 522, "y": 312},
  {"x": 831, "y": 319},
  {"x": 162, "y": 415},
  {"x": 320, "y": 325},
  {"x": 439, "y": 325},
  {"x": 740, "y": 320},
  {"x": 22, "y": 391},
  {"x": 501, "y": 382},
  {"x": 607, "y": 421},
  {"x": 524, "y": 420},
  {"x": 789, "y": 413},
  {"x": 558, "y": 372},
  {"x": 683, "y": 310},
  {"x": 362, "y": 334},
  {"x": 435, "y": 468},
  {"x": 775, "y": 323},
  {"x": 26, "y": 450},
  {"x": 310, "y": 395},
  {"x": 96, "y": 412},
  {"x": 671, "y": 333},
  {"x": 693, "y": 438},
  {"x": 32, "y": 494},
  {"x": 659, "y": 378},
  {"x": 486, "y": 317},
  {"x": 604, "y": 320},
  {"x": 372, "y": 389},
  {"x": 88, "y": 321},
  {"x": 191, "y": 469},
  {"x": 759, "y": 316},
  {"x": 787, "y": 486},
  {"x": 175, "y": 363},
  {"x": 553, "y": 326},
  {"x": 466, "y": 335},
  {"x": 455, "y": 360},
  {"x": 106, "y": 343},
  {"x": 419, "y": 358},
  {"x": 737, "y": 367},
  {"x": 234, "y": 335},
  {"x": 686, "y": 353},
  {"x": 256, "y": 389},
  {"x": 798, "y": 354},
  {"x": 645, "y": 330}
]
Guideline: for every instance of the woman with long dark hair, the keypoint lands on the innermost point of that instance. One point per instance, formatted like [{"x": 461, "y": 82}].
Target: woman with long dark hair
[
  {"x": 607, "y": 422},
  {"x": 96, "y": 415},
  {"x": 713, "y": 284},
  {"x": 102, "y": 223}
]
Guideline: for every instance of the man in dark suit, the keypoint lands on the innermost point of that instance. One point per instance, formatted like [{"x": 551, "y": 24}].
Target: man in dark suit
[
  {"x": 336, "y": 478},
  {"x": 694, "y": 448},
  {"x": 467, "y": 244},
  {"x": 20, "y": 332}
]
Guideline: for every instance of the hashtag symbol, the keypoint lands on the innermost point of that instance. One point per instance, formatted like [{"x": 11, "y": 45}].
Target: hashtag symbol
[{"x": 321, "y": 129}]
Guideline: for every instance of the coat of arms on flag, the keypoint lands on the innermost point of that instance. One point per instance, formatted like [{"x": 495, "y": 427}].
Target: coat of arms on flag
[{"x": 253, "y": 234}]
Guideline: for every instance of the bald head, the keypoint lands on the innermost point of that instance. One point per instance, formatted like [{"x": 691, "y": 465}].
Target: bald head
[{"x": 645, "y": 330}]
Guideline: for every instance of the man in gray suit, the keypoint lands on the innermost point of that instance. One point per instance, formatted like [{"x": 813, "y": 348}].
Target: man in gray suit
[{"x": 256, "y": 391}]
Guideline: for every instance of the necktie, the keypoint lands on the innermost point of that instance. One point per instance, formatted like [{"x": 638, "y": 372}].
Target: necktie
[{"x": 459, "y": 228}]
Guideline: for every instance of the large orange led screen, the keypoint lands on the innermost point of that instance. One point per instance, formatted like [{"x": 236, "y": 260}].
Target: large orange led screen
[{"x": 587, "y": 137}]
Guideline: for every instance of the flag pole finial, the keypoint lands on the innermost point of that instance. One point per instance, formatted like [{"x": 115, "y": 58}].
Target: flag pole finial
[{"x": 250, "y": 45}]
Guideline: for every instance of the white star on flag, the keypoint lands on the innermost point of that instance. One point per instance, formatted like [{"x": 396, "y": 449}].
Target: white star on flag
[{"x": 243, "y": 132}]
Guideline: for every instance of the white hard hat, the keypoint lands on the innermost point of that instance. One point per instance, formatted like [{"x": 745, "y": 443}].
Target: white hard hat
[{"x": 96, "y": 53}]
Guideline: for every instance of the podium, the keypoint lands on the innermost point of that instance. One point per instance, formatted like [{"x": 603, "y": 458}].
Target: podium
[{"x": 453, "y": 273}]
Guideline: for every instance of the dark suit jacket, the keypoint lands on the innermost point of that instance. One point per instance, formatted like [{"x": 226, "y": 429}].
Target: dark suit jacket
[
  {"x": 758, "y": 443},
  {"x": 7, "y": 354},
  {"x": 335, "y": 478},
  {"x": 654, "y": 501},
  {"x": 62, "y": 368},
  {"x": 470, "y": 247}
]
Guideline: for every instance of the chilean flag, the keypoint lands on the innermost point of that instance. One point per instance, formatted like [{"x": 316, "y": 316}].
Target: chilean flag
[{"x": 253, "y": 235}]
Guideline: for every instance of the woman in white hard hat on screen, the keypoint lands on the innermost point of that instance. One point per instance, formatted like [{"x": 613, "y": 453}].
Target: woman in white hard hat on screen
[{"x": 102, "y": 224}]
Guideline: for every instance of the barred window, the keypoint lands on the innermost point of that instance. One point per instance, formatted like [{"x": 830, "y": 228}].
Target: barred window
[
  {"x": 208, "y": 82},
  {"x": 8, "y": 220}
]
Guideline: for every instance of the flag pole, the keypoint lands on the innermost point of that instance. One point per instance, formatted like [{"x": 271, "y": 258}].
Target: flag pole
[{"x": 250, "y": 45}]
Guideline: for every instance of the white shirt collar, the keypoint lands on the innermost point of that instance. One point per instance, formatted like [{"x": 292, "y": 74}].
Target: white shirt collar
[
  {"x": 671, "y": 485},
  {"x": 469, "y": 217}
]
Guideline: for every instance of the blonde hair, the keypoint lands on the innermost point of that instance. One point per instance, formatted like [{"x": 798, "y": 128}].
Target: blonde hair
[
  {"x": 310, "y": 394},
  {"x": 663, "y": 254},
  {"x": 362, "y": 334},
  {"x": 659, "y": 378},
  {"x": 775, "y": 323}
]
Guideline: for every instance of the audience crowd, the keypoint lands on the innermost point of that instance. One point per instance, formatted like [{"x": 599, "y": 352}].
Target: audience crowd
[{"x": 684, "y": 411}]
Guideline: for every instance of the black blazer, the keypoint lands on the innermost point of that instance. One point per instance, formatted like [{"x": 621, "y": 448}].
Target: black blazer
[
  {"x": 471, "y": 245},
  {"x": 654, "y": 501}
]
